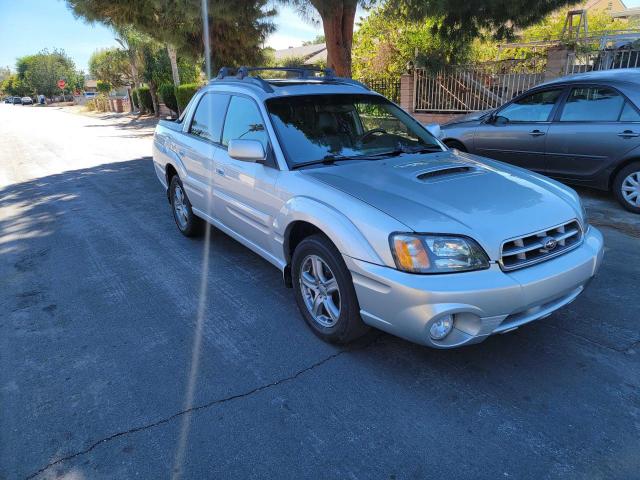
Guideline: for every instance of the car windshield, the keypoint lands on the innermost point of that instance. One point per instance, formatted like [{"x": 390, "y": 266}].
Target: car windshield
[{"x": 333, "y": 127}]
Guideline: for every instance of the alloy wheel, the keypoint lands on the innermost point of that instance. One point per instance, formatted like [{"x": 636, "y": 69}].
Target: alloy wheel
[
  {"x": 180, "y": 207},
  {"x": 320, "y": 291},
  {"x": 631, "y": 189}
]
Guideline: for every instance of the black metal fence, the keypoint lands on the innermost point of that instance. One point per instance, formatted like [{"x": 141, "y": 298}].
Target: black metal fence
[{"x": 390, "y": 88}]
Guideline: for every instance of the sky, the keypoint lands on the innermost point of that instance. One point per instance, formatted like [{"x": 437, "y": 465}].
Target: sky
[{"x": 28, "y": 26}]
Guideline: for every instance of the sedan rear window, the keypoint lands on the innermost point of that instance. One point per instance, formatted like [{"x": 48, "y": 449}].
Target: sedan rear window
[{"x": 592, "y": 104}]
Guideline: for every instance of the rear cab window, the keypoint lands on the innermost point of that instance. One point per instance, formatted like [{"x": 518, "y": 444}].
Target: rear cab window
[{"x": 209, "y": 116}]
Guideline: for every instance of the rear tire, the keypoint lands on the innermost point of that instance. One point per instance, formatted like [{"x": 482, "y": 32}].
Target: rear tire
[
  {"x": 626, "y": 187},
  {"x": 455, "y": 144},
  {"x": 188, "y": 223},
  {"x": 324, "y": 291}
]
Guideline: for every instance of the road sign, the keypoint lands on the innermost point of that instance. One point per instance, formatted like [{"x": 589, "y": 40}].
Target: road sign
[{"x": 61, "y": 83}]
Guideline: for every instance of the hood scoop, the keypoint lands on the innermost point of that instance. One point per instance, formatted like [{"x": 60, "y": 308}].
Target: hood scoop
[{"x": 447, "y": 172}]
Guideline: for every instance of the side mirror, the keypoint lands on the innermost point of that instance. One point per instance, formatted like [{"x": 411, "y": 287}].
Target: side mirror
[
  {"x": 434, "y": 129},
  {"x": 499, "y": 120},
  {"x": 247, "y": 150}
]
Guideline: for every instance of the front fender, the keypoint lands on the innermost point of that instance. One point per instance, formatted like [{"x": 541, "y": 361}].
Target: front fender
[{"x": 348, "y": 239}]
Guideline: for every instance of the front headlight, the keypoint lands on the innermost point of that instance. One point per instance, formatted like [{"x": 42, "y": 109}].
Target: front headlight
[
  {"x": 436, "y": 253},
  {"x": 583, "y": 212}
]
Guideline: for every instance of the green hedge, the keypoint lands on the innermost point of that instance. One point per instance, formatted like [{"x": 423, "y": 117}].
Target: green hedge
[
  {"x": 144, "y": 94},
  {"x": 185, "y": 92},
  {"x": 168, "y": 96},
  {"x": 134, "y": 97}
]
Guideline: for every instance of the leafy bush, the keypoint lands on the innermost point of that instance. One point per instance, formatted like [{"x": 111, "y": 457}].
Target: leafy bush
[
  {"x": 184, "y": 93},
  {"x": 99, "y": 103},
  {"x": 103, "y": 87},
  {"x": 134, "y": 97},
  {"x": 144, "y": 94},
  {"x": 168, "y": 95}
]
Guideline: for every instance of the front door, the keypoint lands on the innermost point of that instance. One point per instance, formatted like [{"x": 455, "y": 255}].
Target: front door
[
  {"x": 516, "y": 134},
  {"x": 596, "y": 126}
]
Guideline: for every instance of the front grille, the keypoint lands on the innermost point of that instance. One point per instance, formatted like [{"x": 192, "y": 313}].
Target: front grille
[{"x": 540, "y": 246}]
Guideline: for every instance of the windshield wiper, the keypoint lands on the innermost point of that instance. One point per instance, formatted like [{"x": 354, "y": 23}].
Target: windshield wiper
[
  {"x": 328, "y": 160},
  {"x": 400, "y": 150},
  {"x": 331, "y": 159}
]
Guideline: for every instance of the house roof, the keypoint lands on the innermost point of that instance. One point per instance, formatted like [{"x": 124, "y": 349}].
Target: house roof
[
  {"x": 629, "y": 12},
  {"x": 310, "y": 53}
]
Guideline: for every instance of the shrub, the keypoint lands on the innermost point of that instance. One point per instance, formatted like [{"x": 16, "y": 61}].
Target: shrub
[
  {"x": 144, "y": 94},
  {"x": 103, "y": 87},
  {"x": 134, "y": 97},
  {"x": 91, "y": 104},
  {"x": 185, "y": 92},
  {"x": 102, "y": 102},
  {"x": 168, "y": 95}
]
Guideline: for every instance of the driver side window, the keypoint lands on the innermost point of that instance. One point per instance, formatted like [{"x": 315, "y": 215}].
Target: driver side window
[
  {"x": 536, "y": 107},
  {"x": 244, "y": 121}
]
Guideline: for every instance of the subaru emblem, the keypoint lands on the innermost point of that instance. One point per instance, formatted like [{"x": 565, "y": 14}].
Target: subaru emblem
[{"x": 549, "y": 243}]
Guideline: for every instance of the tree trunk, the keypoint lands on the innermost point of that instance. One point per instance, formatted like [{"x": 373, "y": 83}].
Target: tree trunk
[
  {"x": 337, "y": 23},
  {"x": 173, "y": 58},
  {"x": 153, "y": 90}
]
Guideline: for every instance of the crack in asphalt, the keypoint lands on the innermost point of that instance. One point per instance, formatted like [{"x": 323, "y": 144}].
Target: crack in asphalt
[
  {"x": 625, "y": 228},
  {"x": 596, "y": 342},
  {"x": 199, "y": 407}
]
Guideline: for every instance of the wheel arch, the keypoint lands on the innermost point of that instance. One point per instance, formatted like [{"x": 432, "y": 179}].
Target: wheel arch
[
  {"x": 624, "y": 164},
  {"x": 303, "y": 216}
]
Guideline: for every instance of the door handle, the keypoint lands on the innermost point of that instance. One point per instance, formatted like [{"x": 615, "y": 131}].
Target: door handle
[
  {"x": 220, "y": 172},
  {"x": 536, "y": 133},
  {"x": 628, "y": 134}
]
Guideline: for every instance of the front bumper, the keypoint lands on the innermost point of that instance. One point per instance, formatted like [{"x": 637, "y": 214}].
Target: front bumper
[{"x": 483, "y": 302}]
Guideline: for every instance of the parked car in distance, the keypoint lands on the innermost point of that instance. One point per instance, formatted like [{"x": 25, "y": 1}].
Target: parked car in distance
[
  {"x": 370, "y": 218},
  {"x": 583, "y": 129},
  {"x": 26, "y": 101},
  {"x": 17, "y": 101},
  {"x": 8, "y": 100}
]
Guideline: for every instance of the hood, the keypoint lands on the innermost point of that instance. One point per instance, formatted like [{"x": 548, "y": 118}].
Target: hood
[
  {"x": 455, "y": 193},
  {"x": 469, "y": 117}
]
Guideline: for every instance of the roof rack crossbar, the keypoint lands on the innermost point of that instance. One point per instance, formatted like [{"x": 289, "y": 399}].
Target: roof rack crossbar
[{"x": 229, "y": 75}]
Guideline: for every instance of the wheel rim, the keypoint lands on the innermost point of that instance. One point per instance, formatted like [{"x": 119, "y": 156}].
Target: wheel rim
[
  {"x": 631, "y": 189},
  {"x": 180, "y": 207},
  {"x": 320, "y": 291}
]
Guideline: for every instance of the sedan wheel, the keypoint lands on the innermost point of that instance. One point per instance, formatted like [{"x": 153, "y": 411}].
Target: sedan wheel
[
  {"x": 631, "y": 189},
  {"x": 626, "y": 187},
  {"x": 320, "y": 291}
]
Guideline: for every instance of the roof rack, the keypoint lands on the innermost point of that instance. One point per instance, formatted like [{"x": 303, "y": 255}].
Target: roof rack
[{"x": 227, "y": 74}]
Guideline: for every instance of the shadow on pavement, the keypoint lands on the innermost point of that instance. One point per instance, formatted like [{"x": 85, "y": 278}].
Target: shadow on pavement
[{"x": 99, "y": 294}]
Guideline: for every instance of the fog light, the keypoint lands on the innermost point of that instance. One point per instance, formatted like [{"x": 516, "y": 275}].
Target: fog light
[{"x": 441, "y": 327}]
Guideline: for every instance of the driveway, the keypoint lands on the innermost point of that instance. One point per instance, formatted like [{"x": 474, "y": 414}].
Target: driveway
[{"x": 122, "y": 357}]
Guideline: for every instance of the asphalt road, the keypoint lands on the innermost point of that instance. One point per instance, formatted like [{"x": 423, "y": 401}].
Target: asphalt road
[{"x": 99, "y": 296}]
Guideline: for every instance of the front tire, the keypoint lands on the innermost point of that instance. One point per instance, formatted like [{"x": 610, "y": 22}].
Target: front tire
[
  {"x": 188, "y": 223},
  {"x": 324, "y": 291},
  {"x": 626, "y": 187}
]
